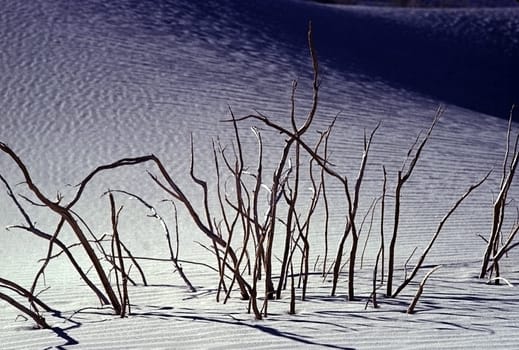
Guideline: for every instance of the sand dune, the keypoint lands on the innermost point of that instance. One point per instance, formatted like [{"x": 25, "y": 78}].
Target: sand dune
[{"x": 87, "y": 83}]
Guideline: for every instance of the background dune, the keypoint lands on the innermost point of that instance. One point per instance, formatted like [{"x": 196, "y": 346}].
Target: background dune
[{"x": 88, "y": 82}]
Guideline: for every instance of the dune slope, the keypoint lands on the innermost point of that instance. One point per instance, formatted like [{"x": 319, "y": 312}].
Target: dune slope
[{"x": 85, "y": 83}]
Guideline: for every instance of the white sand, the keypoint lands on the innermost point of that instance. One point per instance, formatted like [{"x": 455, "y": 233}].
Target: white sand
[{"x": 85, "y": 83}]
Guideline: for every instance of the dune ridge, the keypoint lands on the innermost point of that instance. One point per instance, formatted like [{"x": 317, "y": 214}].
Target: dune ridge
[{"x": 88, "y": 83}]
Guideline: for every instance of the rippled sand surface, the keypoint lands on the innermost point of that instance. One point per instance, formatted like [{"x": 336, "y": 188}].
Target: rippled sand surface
[{"x": 86, "y": 83}]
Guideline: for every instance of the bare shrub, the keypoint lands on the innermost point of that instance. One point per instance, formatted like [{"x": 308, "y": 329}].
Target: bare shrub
[
  {"x": 421, "y": 260},
  {"x": 174, "y": 252},
  {"x": 66, "y": 215},
  {"x": 403, "y": 175},
  {"x": 495, "y": 250}
]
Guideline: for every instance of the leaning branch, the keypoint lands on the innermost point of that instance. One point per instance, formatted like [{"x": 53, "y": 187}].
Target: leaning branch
[{"x": 437, "y": 233}]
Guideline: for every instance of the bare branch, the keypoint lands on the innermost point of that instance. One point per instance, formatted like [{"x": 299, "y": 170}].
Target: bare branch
[
  {"x": 401, "y": 180},
  {"x": 419, "y": 292},
  {"x": 40, "y": 320},
  {"x": 437, "y": 233}
]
